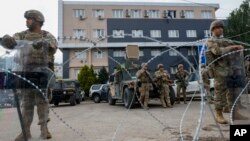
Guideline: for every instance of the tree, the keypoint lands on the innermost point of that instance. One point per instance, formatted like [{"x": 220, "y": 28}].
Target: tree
[
  {"x": 239, "y": 22},
  {"x": 103, "y": 76},
  {"x": 87, "y": 78}
]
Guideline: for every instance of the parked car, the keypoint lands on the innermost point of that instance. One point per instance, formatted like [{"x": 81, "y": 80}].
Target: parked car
[
  {"x": 66, "y": 90},
  {"x": 99, "y": 92},
  {"x": 194, "y": 86}
]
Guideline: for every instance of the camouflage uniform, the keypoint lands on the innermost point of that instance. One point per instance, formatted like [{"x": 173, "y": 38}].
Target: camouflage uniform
[
  {"x": 226, "y": 70},
  {"x": 33, "y": 59},
  {"x": 144, "y": 78},
  {"x": 162, "y": 81},
  {"x": 206, "y": 82},
  {"x": 221, "y": 71},
  {"x": 181, "y": 77}
]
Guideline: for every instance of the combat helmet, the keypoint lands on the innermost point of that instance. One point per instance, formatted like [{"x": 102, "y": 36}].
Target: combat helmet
[
  {"x": 216, "y": 23},
  {"x": 160, "y": 66},
  {"x": 35, "y": 15}
]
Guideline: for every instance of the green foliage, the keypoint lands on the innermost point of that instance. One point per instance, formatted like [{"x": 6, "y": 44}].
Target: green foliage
[
  {"x": 87, "y": 77},
  {"x": 239, "y": 22},
  {"x": 103, "y": 76}
]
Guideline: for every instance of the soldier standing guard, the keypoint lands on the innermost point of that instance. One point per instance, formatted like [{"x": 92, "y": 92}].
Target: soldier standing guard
[
  {"x": 222, "y": 69},
  {"x": 181, "y": 76},
  {"x": 32, "y": 60},
  {"x": 144, "y": 78},
  {"x": 163, "y": 81}
]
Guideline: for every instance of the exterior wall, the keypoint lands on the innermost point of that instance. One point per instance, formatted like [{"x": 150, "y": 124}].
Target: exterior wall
[
  {"x": 158, "y": 24},
  {"x": 67, "y": 22}
]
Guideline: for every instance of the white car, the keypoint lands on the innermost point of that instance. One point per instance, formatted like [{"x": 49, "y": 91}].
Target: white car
[{"x": 194, "y": 87}]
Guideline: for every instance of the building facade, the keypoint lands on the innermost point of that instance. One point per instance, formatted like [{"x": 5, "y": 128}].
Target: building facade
[{"x": 96, "y": 33}]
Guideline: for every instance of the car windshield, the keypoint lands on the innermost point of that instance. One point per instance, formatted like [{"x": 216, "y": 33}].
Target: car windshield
[
  {"x": 96, "y": 87},
  {"x": 68, "y": 85},
  {"x": 57, "y": 86}
]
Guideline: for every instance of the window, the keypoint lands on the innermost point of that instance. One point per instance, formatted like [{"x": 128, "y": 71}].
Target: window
[
  {"x": 141, "y": 53},
  {"x": 173, "y": 33},
  {"x": 189, "y": 14},
  {"x": 98, "y": 12},
  {"x": 191, "y": 33},
  {"x": 172, "y": 52},
  {"x": 78, "y": 33},
  {"x": 206, "y": 14},
  {"x": 155, "y": 33},
  {"x": 78, "y": 12},
  {"x": 97, "y": 33},
  {"x": 119, "y": 53},
  {"x": 171, "y": 14},
  {"x": 81, "y": 55},
  {"x": 98, "y": 54},
  {"x": 117, "y": 13},
  {"x": 207, "y": 33},
  {"x": 137, "y": 33},
  {"x": 118, "y": 33},
  {"x": 76, "y": 72},
  {"x": 173, "y": 70},
  {"x": 191, "y": 51},
  {"x": 97, "y": 71},
  {"x": 155, "y": 52},
  {"x": 191, "y": 70},
  {"x": 154, "y": 13},
  {"x": 135, "y": 13}
]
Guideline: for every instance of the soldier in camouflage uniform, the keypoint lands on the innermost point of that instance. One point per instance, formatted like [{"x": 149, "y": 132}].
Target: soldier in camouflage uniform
[
  {"x": 247, "y": 66},
  {"x": 144, "y": 78},
  {"x": 221, "y": 69},
  {"x": 205, "y": 78},
  {"x": 33, "y": 60},
  {"x": 181, "y": 76},
  {"x": 163, "y": 81}
]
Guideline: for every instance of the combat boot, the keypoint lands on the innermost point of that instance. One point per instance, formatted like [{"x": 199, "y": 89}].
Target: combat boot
[
  {"x": 163, "y": 103},
  {"x": 178, "y": 101},
  {"x": 226, "y": 109},
  {"x": 45, "y": 134},
  {"x": 20, "y": 137},
  {"x": 238, "y": 116},
  {"x": 169, "y": 104},
  {"x": 219, "y": 117},
  {"x": 242, "y": 107}
]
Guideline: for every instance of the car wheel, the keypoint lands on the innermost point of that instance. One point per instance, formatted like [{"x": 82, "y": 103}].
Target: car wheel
[
  {"x": 56, "y": 103},
  {"x": 171, "y": 95},
  {"x": 78, "y": 101},
  {"x": 97, "y": 98},
  {"x": 129, "y": 98},
  {"x": 72, "y": 100},
  {"x": 110, "y": 99}
]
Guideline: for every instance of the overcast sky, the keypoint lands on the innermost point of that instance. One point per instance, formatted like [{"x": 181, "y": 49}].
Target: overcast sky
[{"x": 12, "y": 11}]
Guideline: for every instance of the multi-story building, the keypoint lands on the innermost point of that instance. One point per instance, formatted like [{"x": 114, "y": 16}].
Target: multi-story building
[{"x": 114, "y": 25}]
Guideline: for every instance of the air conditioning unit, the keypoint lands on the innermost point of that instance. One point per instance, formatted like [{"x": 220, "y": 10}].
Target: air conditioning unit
[
  {"x": 146, "y": 13},
  {"x": 182, "y": 14},
  {"x": 82, "y": 18},
  {"x": 165, "y": 14},
  {"x": 100, "y": 17},
  {"x": 127, "y": 13}
]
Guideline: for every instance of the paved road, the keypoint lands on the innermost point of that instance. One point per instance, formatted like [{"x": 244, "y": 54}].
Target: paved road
[{"x": 98, "y": 122}]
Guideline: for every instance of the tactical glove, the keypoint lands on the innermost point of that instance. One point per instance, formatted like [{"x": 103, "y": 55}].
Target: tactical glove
[{"x": 8, "y": 42}]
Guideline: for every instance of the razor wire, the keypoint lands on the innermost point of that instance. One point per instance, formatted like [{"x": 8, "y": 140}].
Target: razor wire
[{"x": 129, "y": 107}]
